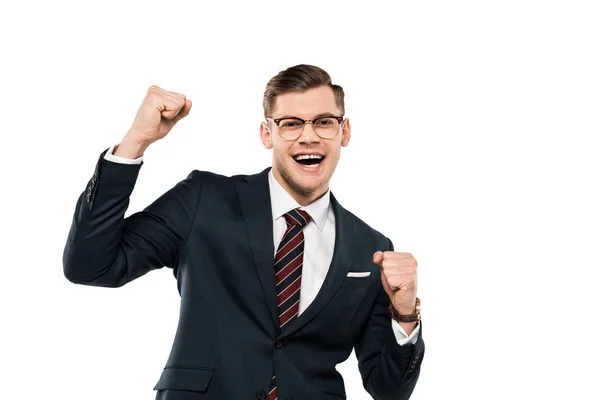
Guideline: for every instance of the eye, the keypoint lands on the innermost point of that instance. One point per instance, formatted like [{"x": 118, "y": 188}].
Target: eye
[
  {"x": 290, "y": 123},
  {"x": 325, "y": 121}
]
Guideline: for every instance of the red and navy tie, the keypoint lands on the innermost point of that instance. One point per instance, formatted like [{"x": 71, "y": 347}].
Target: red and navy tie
[{"x": 288, "y": 273}]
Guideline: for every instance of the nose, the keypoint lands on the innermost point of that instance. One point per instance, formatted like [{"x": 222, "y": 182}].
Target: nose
[{"x": 308, "y": 134}]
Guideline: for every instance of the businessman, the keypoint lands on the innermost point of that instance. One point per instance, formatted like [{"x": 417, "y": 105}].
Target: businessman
[{"x": 278, "y": 281}]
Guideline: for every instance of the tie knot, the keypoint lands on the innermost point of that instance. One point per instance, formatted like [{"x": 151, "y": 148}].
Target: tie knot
[{"x": 297, "y": 217}]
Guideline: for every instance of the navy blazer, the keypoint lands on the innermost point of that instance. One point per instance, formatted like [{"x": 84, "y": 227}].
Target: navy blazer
[{"x": 215, "y": 232}]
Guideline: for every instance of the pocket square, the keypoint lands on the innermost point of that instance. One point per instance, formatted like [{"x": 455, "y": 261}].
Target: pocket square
[{"x": 358, "y": 274}]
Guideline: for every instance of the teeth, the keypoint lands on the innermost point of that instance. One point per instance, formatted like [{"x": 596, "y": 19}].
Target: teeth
[{"x": 307, "y": 156}]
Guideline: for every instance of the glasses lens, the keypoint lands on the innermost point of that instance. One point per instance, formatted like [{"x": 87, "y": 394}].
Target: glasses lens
[
  {"x": 290, "y": 128},
  {"x": 326, "y": 127}
]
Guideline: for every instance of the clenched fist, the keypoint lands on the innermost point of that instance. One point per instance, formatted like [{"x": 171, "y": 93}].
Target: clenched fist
[
  {"x": 399, "y": 278},
  {"x": 159, "y": 112}
]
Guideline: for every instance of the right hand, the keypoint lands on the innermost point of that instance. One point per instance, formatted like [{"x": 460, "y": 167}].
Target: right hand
[{"x": 159, "y": 112}]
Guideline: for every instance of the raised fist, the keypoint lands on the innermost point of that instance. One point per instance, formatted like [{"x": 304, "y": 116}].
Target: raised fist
[{"x": 157, "y": 115}]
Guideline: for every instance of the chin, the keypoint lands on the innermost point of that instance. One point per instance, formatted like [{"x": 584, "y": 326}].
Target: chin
[
  {"x": 301, "y": 182},
  {"x": 308, "y": 184},
  {"x": 307, "y": 188}
]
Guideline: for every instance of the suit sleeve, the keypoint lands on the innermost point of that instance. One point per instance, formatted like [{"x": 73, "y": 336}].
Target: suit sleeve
[
  {"x": 389, "y": 371},
  {"x": 105, "y": 249}
]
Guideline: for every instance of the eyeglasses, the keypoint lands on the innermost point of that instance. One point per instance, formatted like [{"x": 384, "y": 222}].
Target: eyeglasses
[{"x": 292, "y": 128}]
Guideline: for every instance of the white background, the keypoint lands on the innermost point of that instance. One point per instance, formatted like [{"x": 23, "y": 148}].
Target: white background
[{"x": 474, "y": 146}]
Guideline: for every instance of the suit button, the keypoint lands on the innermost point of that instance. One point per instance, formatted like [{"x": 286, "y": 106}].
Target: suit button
[
  {"x": 94, "y": 177},
  {"x": 278, "y": 344},
  {"x": 261, "y": 395},
  {"x": 87, "y": 197}
]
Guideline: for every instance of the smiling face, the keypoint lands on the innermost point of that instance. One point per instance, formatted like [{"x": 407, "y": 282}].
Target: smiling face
[{"x": 303, "y": 182}]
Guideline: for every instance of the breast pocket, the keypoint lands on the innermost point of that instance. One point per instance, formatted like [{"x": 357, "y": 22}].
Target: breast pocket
[
  {"x": 345, "y": 314},
  {"x": 356, "y": 279}
]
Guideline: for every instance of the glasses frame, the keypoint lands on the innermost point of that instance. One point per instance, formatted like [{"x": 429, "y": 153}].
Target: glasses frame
[{"x": 339, "y": 119}]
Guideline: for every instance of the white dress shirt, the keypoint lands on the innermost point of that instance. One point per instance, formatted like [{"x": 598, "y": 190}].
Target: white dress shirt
[{"x": 319, "y": 241}]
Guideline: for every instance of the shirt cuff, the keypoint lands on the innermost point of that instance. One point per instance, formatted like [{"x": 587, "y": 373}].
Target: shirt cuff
[
  {"x": 401, "y": 337},
  {"x": 109, "y": 156}
]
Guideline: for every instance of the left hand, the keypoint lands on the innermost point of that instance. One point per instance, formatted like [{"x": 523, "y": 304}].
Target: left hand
[{"x": 399, "y": 279}]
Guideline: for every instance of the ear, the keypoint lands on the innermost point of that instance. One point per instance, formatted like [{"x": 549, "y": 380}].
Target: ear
[
  {"x": 345, "y": 132},
  {"x": 265, "y": 135}
]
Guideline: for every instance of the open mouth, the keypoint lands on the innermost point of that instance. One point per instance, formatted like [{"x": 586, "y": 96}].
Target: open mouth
[{"x": 309, "y": 160}]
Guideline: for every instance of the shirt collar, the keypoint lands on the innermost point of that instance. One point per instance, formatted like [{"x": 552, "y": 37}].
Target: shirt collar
[{"x": 282, "y": 202}]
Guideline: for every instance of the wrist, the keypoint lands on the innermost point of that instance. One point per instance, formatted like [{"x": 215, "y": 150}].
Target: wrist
[
  {"x": 130, "y": 148},
  {"x": 405, "y": 316},
  {"x": 404, "y": 310}
]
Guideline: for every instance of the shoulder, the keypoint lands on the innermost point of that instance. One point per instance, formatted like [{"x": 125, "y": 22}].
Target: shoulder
[
  {"x": 209, "y": 177},
  {"x": 366, "y": 233},
  {"x": 216, "y": 187}
]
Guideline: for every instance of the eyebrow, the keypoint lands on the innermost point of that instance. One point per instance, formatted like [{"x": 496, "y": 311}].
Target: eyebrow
[{"x": 325, "y": 114}]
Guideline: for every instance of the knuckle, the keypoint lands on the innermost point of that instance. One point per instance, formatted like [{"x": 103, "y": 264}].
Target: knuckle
[{"x": 179, "y": 96}]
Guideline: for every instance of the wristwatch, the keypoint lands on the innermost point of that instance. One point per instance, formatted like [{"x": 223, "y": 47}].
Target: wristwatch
[{"x": 407, "y": 318}]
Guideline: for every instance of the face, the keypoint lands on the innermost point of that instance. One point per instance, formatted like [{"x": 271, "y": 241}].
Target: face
[{"x": 305, "y": 183}]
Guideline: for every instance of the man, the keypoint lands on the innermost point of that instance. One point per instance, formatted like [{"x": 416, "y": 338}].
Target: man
[{"x": 278, "y": 281}]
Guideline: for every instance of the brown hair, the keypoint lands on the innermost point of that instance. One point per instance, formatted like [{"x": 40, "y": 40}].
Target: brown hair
[{"x": 298, "y": 79}]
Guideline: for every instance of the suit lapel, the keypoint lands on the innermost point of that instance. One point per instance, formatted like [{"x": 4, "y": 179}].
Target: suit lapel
[
  {"x": 340, "y": 265},
  {"x": 255, "y": 201}
]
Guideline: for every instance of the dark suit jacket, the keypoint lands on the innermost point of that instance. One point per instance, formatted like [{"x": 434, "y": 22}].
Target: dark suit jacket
[{"x": 215, "y": 232}]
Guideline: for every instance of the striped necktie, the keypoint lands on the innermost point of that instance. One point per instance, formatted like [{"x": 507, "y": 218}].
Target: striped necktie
[{"x": 288, "y": 273}]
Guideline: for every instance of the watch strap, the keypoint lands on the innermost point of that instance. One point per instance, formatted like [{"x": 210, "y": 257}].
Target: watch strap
[{"x": 407, "y": 318}]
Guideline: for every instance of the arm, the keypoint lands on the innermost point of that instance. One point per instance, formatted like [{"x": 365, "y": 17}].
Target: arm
[
  {"x": 105, "y": 249},
  {"x": 389, "y": 371},
  {"x": 389, "y": 362}
]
